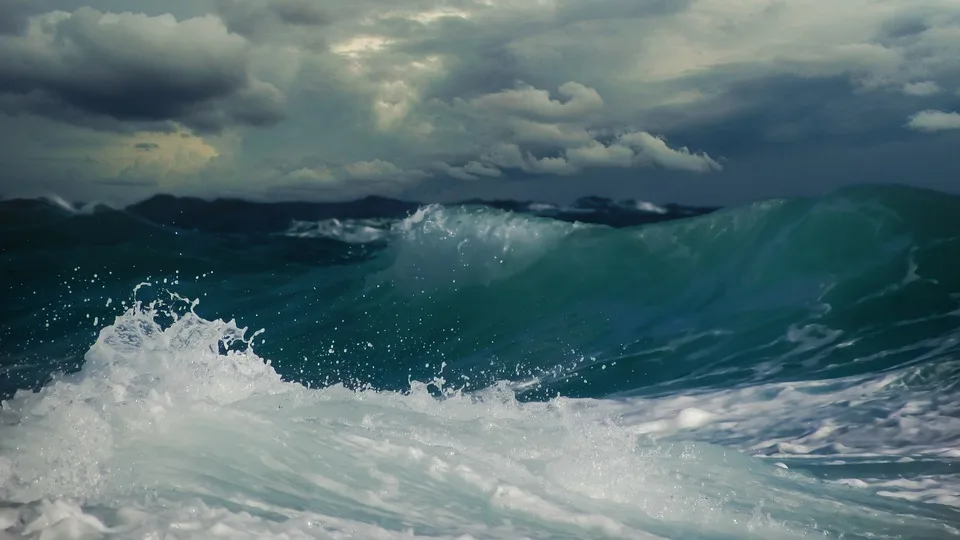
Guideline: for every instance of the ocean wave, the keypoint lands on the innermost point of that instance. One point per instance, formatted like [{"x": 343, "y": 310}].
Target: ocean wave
[
  {"x": 783, "y": 369},
  {"x": 180, "y": 428}
]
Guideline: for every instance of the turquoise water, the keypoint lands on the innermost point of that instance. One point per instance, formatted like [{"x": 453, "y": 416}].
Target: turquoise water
[{"x": 790, "y": 368}]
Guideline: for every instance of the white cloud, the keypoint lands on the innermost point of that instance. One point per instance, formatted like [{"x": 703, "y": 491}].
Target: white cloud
[
  {"x": 380, "y": 170},
  {"x": 921, "y": 89},
  {"x": 471, "y": 171},
  {"x": 428, "y": 16},
  {"x": 526, "y": 100},
  {"x": 932, "y": 120},
  {"x": 312, "y": 174},
  {"x": 454, "y": 172},
  {"x": 480, "y": 169},
  {"x": 532, "y": 132},
  {"x": 114, "y": 70},
  {"x": 360, "y": 46},
  {"x": 596, "y": 154},
  {"x": 655, "y": 150},
  {"x": 549, "y": 165},
  {"x": 372, "y": 170},
  {"x": 632, "y": 149},
  {"x": 511, "y": 156}
]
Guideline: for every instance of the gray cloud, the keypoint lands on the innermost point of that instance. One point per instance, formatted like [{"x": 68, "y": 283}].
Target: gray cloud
[
  {"x": 526, "y": 129},
  {"x": 266, "y": 20},
  {"x": 97, "y": 67},
  {"x": 462, "y": 97},
  {"x": 13, "y": 16},
  {"x": 527, "y": 100},
  {"x": 300, "y": 12}
]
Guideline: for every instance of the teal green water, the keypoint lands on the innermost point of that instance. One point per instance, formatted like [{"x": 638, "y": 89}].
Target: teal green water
[
  {"x": 763, "y": 292},
  {"x": 784, "y": 369}
]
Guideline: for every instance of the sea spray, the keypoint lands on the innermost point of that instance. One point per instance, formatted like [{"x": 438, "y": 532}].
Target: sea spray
[{"x": 164, "y": 432}]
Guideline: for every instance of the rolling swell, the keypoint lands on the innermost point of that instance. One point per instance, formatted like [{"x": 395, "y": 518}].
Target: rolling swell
[
  {"x": 861, "y": 280},
  {"x": 785, "y": 369}
]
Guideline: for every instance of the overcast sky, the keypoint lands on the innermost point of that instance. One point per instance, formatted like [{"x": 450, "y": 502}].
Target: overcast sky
[{"x": 695, "y": 101}]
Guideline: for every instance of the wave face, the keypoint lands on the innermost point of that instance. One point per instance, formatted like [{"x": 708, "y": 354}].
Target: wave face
[{"x": 787, "y": 369}]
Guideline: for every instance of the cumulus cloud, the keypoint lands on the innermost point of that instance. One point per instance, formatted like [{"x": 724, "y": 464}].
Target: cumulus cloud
[
  {"x": 655, "y": 150},
  {"x": 107, "y": 69},
  {"x": 596, "y": 154},
  {"x": 535, "y": 134},
  {"x": 932, "y": 120},
  {"x": 632, "y": 149},
  {"x": 529, "y": 101}
]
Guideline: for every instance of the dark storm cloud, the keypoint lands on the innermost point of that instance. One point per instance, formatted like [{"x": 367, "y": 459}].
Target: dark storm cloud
[
  {"x": 785, "y": 109},
  {"x": 797, "y": 112},
  {"x": 485, "y": 66},
  {"x": 90, "y": 68},
  {"x": 486, "y": 62},
  {"x": 777, "y": 171},
  {"x": 146, "y": 146},
  {"x": 679, "y": 99}
]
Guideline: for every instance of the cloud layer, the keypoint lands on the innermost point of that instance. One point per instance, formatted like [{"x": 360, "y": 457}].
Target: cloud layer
[
  {"x": 543, "y": 98},
  {"x": 106, "y": 70}
]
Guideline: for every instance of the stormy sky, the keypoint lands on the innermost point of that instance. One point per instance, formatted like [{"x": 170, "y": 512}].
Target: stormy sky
[{"x": 694, "y": 101}]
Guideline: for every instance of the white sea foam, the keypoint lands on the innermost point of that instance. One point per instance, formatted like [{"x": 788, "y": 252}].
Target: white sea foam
[
  {"x": 451, "y": 246},
  {"x": 896, "y": 419},
  {"x": 943, "y": 490},
  {"x": 351, "y": 231},
  {"x": 650, "y": 207},
  {"x": 163, "y": 434},
  {"x": 73, "y": 208},
  {"x": 854, "y": 416}
]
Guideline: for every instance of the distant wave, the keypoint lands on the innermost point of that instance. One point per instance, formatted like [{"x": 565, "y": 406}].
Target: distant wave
[{"x": 353, "y": 231}]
